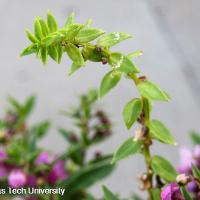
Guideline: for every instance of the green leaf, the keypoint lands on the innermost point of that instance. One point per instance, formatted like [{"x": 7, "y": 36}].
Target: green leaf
[
  {"x": 44, "y": 26},
  {"x": 52, "y": 50},
  {"x": 160, "y": 132},
  {"x": 38, "y": 29},
  {"x": 88, "y": 34},
  {"x": 29, "y": 50},
  {"x": 41, "y": 129},
  {"x": 29, "y": 105},
  {"x": 74, "y": 68},
  {"x": 122, "y": 63},
  {"x": 51, "y": 22},
  {"x": 60, "y": 53},
  {"x": 185, "y": 193},
  {"x": 135, "y": 54},
  {"x": 132, "y": 111},
  {"x": 71, "y": 32},
  {"x": 31, "y": 37},
  {"x": 195, "y": 171},
  {"x": 44, "y": 54},
  {"x": 111, "y": 39},
  {"x": 129, "y": 147},
  {"x": 74, "y": 54},
  {"x": 108, "y": 82},
  {"x": 163, "y": 168},
  {"x": 195, "y": 137},
  {"x": 108, "y": 195},
  {"x": 156, "y": 194},
  {"x": 87, "y": 176},
  {"x": 152, "y": 91},
  {"x": 70, "y": 19}
]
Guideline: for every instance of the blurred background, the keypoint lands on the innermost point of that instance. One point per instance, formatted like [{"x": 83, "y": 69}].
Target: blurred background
[{"x": 168, "y": 33}]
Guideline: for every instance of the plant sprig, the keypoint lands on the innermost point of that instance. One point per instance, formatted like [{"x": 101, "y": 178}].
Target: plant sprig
[{"x": 77, "y": 40}]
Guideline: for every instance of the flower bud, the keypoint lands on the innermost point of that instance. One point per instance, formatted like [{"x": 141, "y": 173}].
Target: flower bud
[
  {"x": 183, "y": 179},
  {"x": 17, "y": 178}
]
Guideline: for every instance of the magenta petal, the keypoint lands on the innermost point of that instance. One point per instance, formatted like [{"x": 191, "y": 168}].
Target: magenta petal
[
  {"x": 3, "y": 155},
  {"x": 43, "y": 158},
  {"x": 17, "y": 178}
]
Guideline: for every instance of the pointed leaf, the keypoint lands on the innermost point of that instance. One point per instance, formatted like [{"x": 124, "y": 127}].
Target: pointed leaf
[
  {"x": 160, "y": 132},
  {"x": 51, "y": 22},
  {"x": 111, "y": 39},
  {"x": 135, "y": 54},
  {"x": 53, "y": 53},
  {"x": 88, "y": 34},
  {"x": 31, "y": 37},
  {"x": 129, "y": 147},
  {"x": 132, "y": 111},
  {"x": 195, "y": 171},
  {"x": 44, "y": 26},
  {"x": 195, "y": 137},
  {"x": 70, "y": 19},
  {"x": 152, "y": 91},
  {"x": 185, "y": 193},
  {"x": 156, "y": 194},
  {"x": 71, "y": 32},
  {"x": 38, "y": 29},
  {"x": 108, "y": 82},
  {"x": 74, "y": 54},
  {"x": 163, "y": 168},
  {"x": 74, "y": 68},
  {"x": 122, "y": 63},
  {"x": 108, "y": 195},
  {"x": 29, "y": 50},
  {"x": 44, "y": 54}
]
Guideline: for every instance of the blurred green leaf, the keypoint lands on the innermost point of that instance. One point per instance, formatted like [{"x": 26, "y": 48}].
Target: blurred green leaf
[
  {"x": 38, "y": 29},
  {"x": 185, "y": 193},
  {"x": 156, "y": 194},
  {"x": 44, "y": 27},
  {"x": 88, "y": 35},
  {"x": 109, "y": 81},
  {"x": 74, "y": 68},
  {"x": 132, "y": 111},
  {"x": 111, "y": 39},
  {"x": 108, "y": 195},
  {"x": 41, "y": 129},
  {"x": 29, "y": 50},
  {"x": 163, "y": 168},
  {"x": 44, "y": 54},
  {"x": 152, "y": 91},
  {"x": 160, "y": 132},
  {"x": 86, "y": 177},
  {"x": 52, "y": 50},
  {"x": 195, "y": 171},
  {"x": 31, "y": 37},
  {"x": 122, "y": 63},
  {"x": 70, "y": 19},
  {"x": 90, "y": 53},
  {"x": 51, "y": 22},
  {"x": 29, "y": 105},
  {"x": 195, "y": 137},
  {"x": 129, "y": 147},
  {"x": 135, "y": 54},
  {"x": 74, "y": 54}
]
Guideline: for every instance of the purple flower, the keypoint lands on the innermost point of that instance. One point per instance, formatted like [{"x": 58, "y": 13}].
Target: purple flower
[
  {"x": 31, "y": 181},
  {"x": 17, "y": 178},
  {"x": 172, "y": 192},
  {"x": 3, "y": 156},
  {"x": 187, "y": 157},
  {"x": 43, "y": 158},
  {"x": 3, "y": 171},
  {"x": 58, "y": 172}
]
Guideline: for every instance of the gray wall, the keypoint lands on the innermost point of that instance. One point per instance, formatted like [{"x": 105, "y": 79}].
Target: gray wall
[{"x": 167, "y": 32}]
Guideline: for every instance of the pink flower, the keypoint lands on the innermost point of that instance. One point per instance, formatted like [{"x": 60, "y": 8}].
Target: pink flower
[
  {"x": 187, "y": 157},
  {"x": 31, "y": 181},
  {"x": 17, "y": 178},
  {"x": 43, "y": 158},
  {"x": 3, "y": 156},
  {"x": 3, "y": 171},
  {"x": 172, "y": 192},
  {"x": 58, "y": 172}
]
